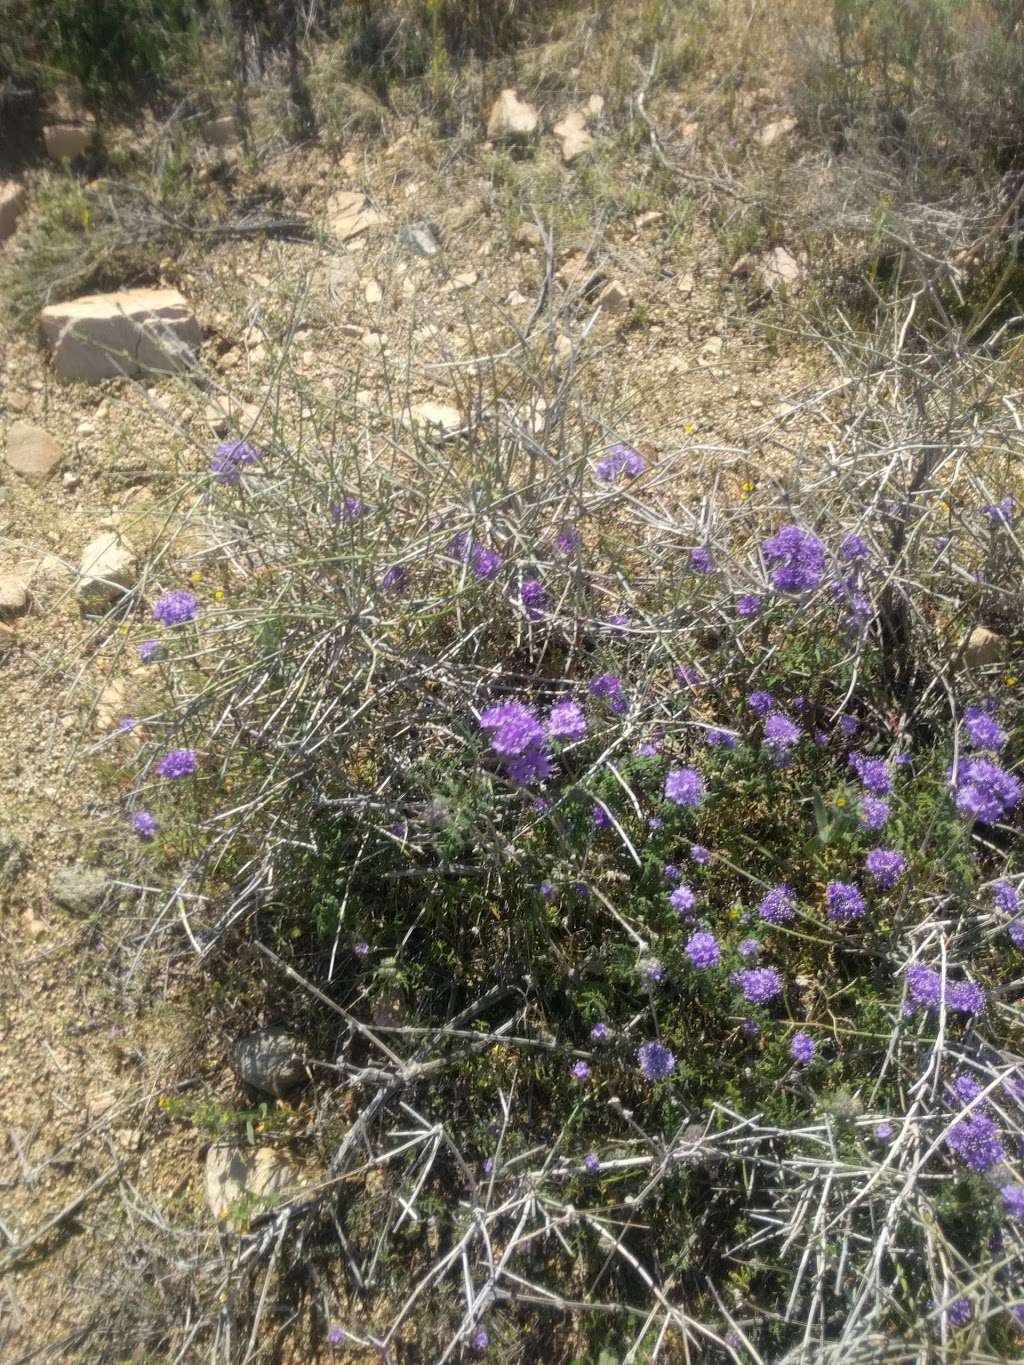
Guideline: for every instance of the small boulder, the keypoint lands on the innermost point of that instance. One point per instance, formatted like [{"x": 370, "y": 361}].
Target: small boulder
[
  {"x": 68, "y": 141},
  {"x": 772, "y": 133},
  {"x": 13, "y": 596},
  {"x": 12, "y": 205},
  {"x": 349, "y": 213},
  {"x": 78, "y": 889},
  {"x": 420, "y": 238},
  {"x": 780, "y": 270},
  {"x": 132, "y": 332},
  {"x": 572, "y": 132},
  {"x": 511, "y": 119},
  {"x": 435, "y": 419},
  {"x": 254, "y": 1177},
  {"x": 613, "y": 298},
  {"x": 270, "y": 1060},
  {"x": 984, "y": 647},
  {"x": 528, "y": 234},
  {"x": 108, "y": 570},
  {"x": 32, "y": 453}
]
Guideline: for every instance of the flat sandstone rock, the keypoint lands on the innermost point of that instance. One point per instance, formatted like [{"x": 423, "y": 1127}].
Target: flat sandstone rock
[{"x": 133, "y": 332}]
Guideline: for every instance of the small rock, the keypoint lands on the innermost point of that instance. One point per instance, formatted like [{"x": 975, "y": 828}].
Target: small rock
[
  {"x": 85, "y": 429},
  {"x": 573, "y": 135},
  {"x": 515, "y": 299},
  {"x": 780, "y": 270},
  {"x": 68, "y": 141},
  {"x": 744, "y": 266},
  {"x": 563, "y": 350},
  {"x": 108, "y": 570},
  {"x": 32, "y": 453},
  {"x": 13, "y": 857},
  {"x": 646, "y": 219},
  {"x": 352, "y": 330},
  {"x": 13, "y": 596},
  {"x": 528, "y": 234},
  {"x": 350, "y": 213},
  {"x": 984, "y": 647},
  {"x": 511, "y": 119},
  {"x": 223, "y": 132},
  {"x": 18, "y": 400},
  {"x": 78, "y": 889},
  {"x": 775, "y": 132},
  {"x": 372, "y": 292},
  {"x": 270, "y": 1060},
  {"x": 248, "y": 1174},
  {"x": 70, "y": 480},
  {"x": 13, "y": 199},
  {"x": 111, "y": 706},
  {"x": 613, "y": 298},
  {"x": 686, "y": 284},
  {"x": 35, "y": 928},
  {"x": 435, "y": 418},
  {"x": 710, "y": 351},
  {"x": 217, "y": 419},
  {"x": 464, "y": 280},
  {"x": 131, "y": 332},
  {"x": 595, "y": 106},
  {"x": 420, "y": 238}
]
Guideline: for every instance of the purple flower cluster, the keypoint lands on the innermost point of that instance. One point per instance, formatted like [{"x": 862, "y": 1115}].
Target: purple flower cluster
[
  {"x": 873, "y": 812},
  {"x": 177, "y": 763},
  {"x": 872, "y": 774},
  {"x": 395, "y": 579},
  {"x": 976, "y": 1141},
  {"x": 886, "y": 866},
  {"x": 852, "y": 548},
  {"x": 776, "y": 905},
  {"x": 485, "y": 562},
  {"x": 999, "y": 513},
  {"x": 150, "y": 650},
  {"x": 620, "y": 459},
  {"x": 985, "y": 791},
  {"x": 802, "y": 1049},
  {"x": 607, "y": 687},
  {"x": 518, "y": 738},
  {"x": 656, "y": 1061},
  {"x": 566, "y": 721},
  {"x": 567, "y": 541},
  {"x": 702, "y": 950},
  {"x": 684, "y": 787},
  {"x": 349, "y": 509},
  {"x": 176, "y": 608},
  {"x": 700, "y": 560},
  {"x": 843, "y": 902},
  {"x": 982, "y": 731},
  {"x": 761, "y": 703},
  {"x": 780, "y": 735},
  {"x": 927, "y": 991},
  {"x": 758, "y": 984},
  {"x": 682, "y": 900},
  {"x": 143, "y": 824},
  {"x": 230, "y": 458},
  {"x": 720, "y": 739},
  {"x": 748, "y": 605},
  {"x": 1013, "y": 1200},
  {"x": 531, "y": 594},
  {"x": 796, "y": 559}
]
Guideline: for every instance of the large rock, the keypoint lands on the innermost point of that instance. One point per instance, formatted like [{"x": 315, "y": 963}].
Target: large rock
[
  {"x": 12, "y": 205},
  {"x": 984, "y": 647},
  {"x": 136, "y": 331},
  {"x": 108, "y": 570},
  {"x": 772, "y": 133},
  {"x": 511, "y": 119},
  {"x": 32, "y": 452},
  {"x": 350, "y": 213},
  {"x": 572, "y": 132},
  {"x": 68, "y": 141},
  {"x": 270, "y": 1060},
  {"x": 78, "y": 889},
  {"x": 248, "y": 1180}
]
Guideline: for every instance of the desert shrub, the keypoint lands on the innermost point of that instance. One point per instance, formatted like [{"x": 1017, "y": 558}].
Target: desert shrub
[{"x": 660, "y": 852}]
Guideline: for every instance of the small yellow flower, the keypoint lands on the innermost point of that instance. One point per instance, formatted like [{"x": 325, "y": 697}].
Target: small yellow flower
[
  {"x": 840, "y": 801},
  {"x": 1010, "y": 680},
  {"x": 746, "y": 488},
  {"x": 197, "y": 577},
  {"x": 122, "y": 630},
  {"x": 688, "y": 430},
  {"x": 218, "y": 595}
]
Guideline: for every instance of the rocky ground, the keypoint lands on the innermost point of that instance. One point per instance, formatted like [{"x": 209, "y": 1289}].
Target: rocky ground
[{"x": 418, "y": 262}]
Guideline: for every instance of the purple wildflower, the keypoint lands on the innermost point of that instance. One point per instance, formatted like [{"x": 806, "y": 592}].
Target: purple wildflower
[
  {"x": 349, "y": 509},
  {"x": 700, "y": 560},
  {"x": 652, "y": 973},
  {"x": 985, "y": 791},
  {"x": 802, "y": 1049},
  {"x": 546, "y": 890},
  {"x": 480, "y": 1339},
  {"x": 872, "y": 774},
  {"x": 925, "y": 988},
  {"x": 335, "y": 1336},
  {"x": 780, "y": 735},
  {"x": 776, "y": 906},
  {"x": 599, "y": 816},
  {"x": 618, "y": 624},
  {"x": 515, "y": 728},
  {"x": 761, "y": 703},
  {"x": 682, "y": 900},
  {"x": 748, "y": 605},
  {"x": 177, "y": 763},
  {"x": 884, "y": 1131},
  {"x": 999, "y": 513},
  {"x": 672, "y": 873},
  {"x": 1004, "y": 894},
  {"x": 1013, "y": 1200},
  {"x": 606, "y": 687},
  {"x": 852, "y": 548},
  {"x": 656, "y": 1061},
  {"x": 702, "y": 950},
  {"x": 843, "y": 902},
  {"x": 486, "y": 562},
  {"x": 591, "y": 1164},
  {"x": 126, "y": 725},
  {"x": 566, "y": 721},
  {"x": 567, "y": 540},
  {"x": 580, "y": 1071},
  {"x": 686, "y": 673},
  {"x": 965, "y": 1088},
  {"x": 976, "y": 1141},
  {"x": 149, "y": 649},
  {"x": 748, "y": 948},
  {"x": 175, "y": 608},
  {"x": 699, "y": 854},
  {"x": 531, "y": 594},
  {"x": 143, "y": 824},
  {"x": 230, "y": 458},
  {"x": 361, "y": 949},
  {"x": 620, "y": 459},
  {"x": 758, "y": 984},
  {"x": 720, "y": 739},
  {"x": 956, "y": 1313},
  {"x": 532, "y": 765},
  {"x": 684, "y": 787},
  {"x": 873, "y": 812},
  {"x": 599, "y": 1033},
  {"x": 796, "y": 559},
  {"x": 982, "y": 731},
  {"x": 886, "y": 866},
  {"x": 395, "y": 579},
  {"x": 646, "y": 749}
]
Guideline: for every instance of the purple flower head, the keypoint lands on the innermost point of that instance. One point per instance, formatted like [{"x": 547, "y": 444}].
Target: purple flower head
[
  {"x": 689, "y": 675},
  {"x": 748, "y": 948},
  {"x": 700, "y": 560},
  {"x": 591, "y": 1164},
  {"x": 1013, "y": 1200},
  {"x": 1004, "y": 894},
  {"x": 599, "y": 816},
  {"x": 801, "y": 1049},
  {"x": 848, "y": 726},
  {"x": 1000, "y": 513},
  {"x": 143, "y": 824},
  {"x": 672, "y": 873},
  {"x": 682, "y": 900},
  {"x": 699, "y": 854},
  {"x": 799, "y": 703},
  {"x": 982, "y": 731},
  {"x": 652, "y": 973},
  {"x": 655, "y": 822},
  {"x": 480, "y": 1339},
  {"x": 566, "y": 721},
  {"x": 925, "y": 989},
  {"x": 177, "y": 763},
  {"x": 618, "y": 624},
  {"x": 580, "y": 1071},
  {"x": 702, "y": 950},
  {"x": 514, "y": 728},
  {"x": 984, "y": 791},
  {"x": 532, "y": 765},
  {"x": 748, "y": 605},
  {"x": 758, "y": 984},
  {"x": 720, "y": 739},
  {"x": 884, "y": 1131},
  {"x": 395, "y": 579},
  {"x": 647, "y": 749},
  {"x": 965, "y": 1088},
  {"x": 361, "y": 949},
  {"x": 176, "y": 608},
  {"x": 230, "y": 458},
  {"x": 780, "y": 735},
  {"x": 886, "y": 866},
  {"x": 656, "y": 1061},
  {"x": 606, "y": 687},
  {"x": 956, "y": 1313},
  {"x": 796, "y": 559},
  {"x": 872, "y": 774},
  {"x": 873, "y": 812},
  {"x": 546, "y": 890},
  {"x": 761, "y": 703},
  {"x": 486, "y": 562},
  {"x": 776, "y": 906},
  {"x": 568, "y": 540},
  {"x": 599, "y": 1033},
  {"x": 149, "y": 650},
  {"x": 126, "y": 725},
  {"x": 531, "y": 594},
  {"x": 852, "y": 548},
  {"x": 684, "y": 787},
  {"x": 843, "y": 902},
  {"x": 540, "y": 805},
  {"x": 976, "y": 1141},
  {"x": 335, "y": 1336},
  {"x": 620, "y": 459},
  {"x": 349, "y": 509}
]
